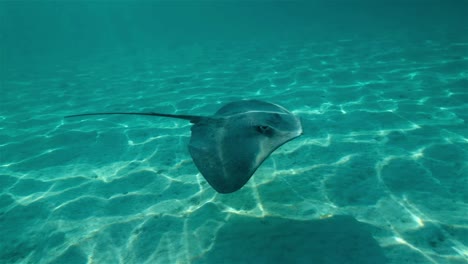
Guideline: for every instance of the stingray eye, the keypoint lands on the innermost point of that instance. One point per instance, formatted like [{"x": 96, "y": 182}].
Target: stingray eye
[{"x": 263, "y": 129}]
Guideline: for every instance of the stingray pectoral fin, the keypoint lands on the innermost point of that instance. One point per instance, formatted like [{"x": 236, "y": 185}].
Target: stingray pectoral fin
[
  {"x": 225, "y": 167},
  {"x": 227, "y": 156}
]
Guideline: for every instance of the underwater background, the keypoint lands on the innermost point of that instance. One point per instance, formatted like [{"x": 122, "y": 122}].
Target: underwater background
[{"x": 380, "y": 174}]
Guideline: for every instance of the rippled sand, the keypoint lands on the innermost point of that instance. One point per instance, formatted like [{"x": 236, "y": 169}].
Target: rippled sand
[{"x": 379, "y": 176}]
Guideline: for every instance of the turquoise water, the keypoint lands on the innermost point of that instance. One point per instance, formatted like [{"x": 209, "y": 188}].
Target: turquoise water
[{"x": 379, "y": 176}]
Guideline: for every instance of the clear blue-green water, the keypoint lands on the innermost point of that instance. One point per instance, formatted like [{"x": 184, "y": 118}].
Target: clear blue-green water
[{"x": 379, "y": 176}]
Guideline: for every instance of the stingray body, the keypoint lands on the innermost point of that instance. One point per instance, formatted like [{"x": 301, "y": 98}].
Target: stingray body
[{"x": 230, "y": 145}]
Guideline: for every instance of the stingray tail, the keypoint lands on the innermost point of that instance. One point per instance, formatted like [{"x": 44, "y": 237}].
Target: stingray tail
[{"x": 191, "y": 118}]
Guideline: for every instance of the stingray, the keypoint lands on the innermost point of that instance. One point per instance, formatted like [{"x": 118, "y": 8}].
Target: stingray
[{"x": 229, "y": 146}]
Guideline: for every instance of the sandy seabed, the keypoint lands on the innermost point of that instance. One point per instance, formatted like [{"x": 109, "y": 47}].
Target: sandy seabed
[{"x": 379, "y": 176}]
